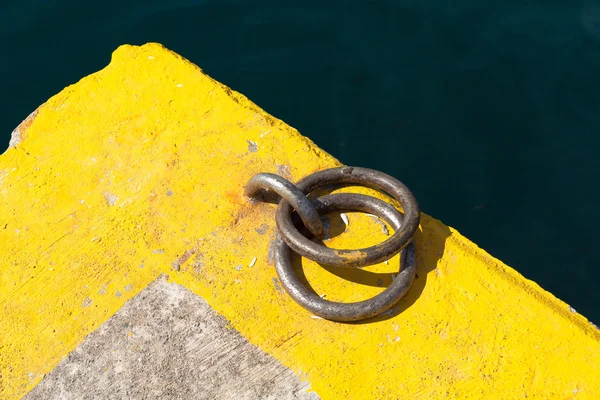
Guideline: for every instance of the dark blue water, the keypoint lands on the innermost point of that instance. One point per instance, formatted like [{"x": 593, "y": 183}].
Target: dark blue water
[{"x": 488, "y": 111}]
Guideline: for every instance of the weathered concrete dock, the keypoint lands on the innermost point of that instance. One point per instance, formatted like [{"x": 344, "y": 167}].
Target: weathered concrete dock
[{"x": 133, "y": 266}]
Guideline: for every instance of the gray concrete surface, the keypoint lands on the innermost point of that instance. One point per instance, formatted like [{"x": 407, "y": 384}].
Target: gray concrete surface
[{"x": 168, "y": 343}]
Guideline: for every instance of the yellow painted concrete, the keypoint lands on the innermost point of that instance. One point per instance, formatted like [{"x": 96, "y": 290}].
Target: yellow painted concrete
[{"x": 139, "y": 169}]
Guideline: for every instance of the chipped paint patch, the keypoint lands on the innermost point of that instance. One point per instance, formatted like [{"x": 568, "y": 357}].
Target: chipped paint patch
[
  {"x": 284, "y": 171},
  {"x": 252, "y": 262},
  {"x": 262, "y": 229},
  {"x": 110, "y": 198},
  {"x": 18, "y": 134},
  {"x": 198, "y": 262},
  {"x": 176, "y": 265},
  {"x": 252, "y": 146}
]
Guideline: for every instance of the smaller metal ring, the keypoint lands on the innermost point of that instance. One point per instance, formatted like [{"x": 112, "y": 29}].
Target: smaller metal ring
[
  {"x": 351, "y": 258},
  {"x": 291, "y": 194},
  {"x": 349, "y": 311}
]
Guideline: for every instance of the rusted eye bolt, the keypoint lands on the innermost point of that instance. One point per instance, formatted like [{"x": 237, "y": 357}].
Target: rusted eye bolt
[
  {"x": 289, "y": 193},
  {"x": 294, "y": 197}
]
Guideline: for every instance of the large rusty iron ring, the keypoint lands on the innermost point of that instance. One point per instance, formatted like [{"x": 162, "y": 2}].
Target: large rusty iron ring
[
  {"x": 351, "y": 258},
  {"x": 294, "y": 197},
  {"x": 337, "y": 311}
]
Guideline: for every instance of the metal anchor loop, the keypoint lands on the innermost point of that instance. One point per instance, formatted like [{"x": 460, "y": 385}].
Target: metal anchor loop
[
  {"x": 291, "y": 194},
  {"x": 336, "y": 311},
  {"x": 351, "y": 258},
  {"x": 289, "y": 239}
]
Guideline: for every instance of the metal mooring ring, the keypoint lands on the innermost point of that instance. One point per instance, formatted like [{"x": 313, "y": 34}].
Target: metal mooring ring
[
  {"x": 289, "y": 237},
  {"x": 351, "y": 258},
  {"x": 289, "y": 193},
  {"x": 349, "y": 311}
]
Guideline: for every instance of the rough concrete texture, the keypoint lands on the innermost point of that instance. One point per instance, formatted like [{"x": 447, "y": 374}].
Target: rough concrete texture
[{"x": 167, "y": 343}]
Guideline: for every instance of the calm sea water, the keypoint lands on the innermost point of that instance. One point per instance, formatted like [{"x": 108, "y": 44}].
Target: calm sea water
[{"x": 488, "y": 111}]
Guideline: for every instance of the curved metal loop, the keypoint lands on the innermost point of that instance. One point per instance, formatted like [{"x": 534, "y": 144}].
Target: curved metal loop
[
  {"x": 291, "y": 195},
  {"x": 349, "y": 311},
  {"x": 290, "y": 239},
  {"x": 351, "y": 258}
]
